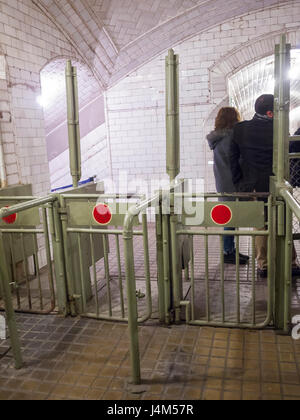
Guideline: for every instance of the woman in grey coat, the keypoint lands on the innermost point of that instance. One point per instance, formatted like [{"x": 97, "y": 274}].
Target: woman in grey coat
[{"x": 219, "y": 141}]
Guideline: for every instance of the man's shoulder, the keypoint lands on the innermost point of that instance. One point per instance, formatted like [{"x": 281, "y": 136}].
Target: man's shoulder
[{"x": 241, "y": 125}]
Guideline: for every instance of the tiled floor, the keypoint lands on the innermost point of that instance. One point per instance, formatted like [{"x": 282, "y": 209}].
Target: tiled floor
[
  {"x": 78, "y": 358},
  {"x": 87, "y": 359}
]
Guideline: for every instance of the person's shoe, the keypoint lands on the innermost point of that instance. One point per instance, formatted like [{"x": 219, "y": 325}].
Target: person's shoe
[
  {"x": 231, "y": 259},
  {"x": 244, "y": 257},
  {"x": 296, "y": 271},
  {"x": 262, "y": 273}
]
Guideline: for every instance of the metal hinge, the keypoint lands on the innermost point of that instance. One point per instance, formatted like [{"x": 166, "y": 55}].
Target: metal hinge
[{"x": 62, "y": 211}]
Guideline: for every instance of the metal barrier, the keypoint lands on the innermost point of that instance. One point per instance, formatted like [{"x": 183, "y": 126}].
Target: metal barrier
[
  {"x": 21, "y": 215},
  {"x": 133, "y": 320},
  {"x": 94, "y": 256},
  {"x": 233, "y": 298},
  {"x": 28, "y": 257},
  {"x": 70, "y": 220}
]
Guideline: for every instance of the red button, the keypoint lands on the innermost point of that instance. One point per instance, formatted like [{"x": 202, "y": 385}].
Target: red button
[
  {"x": 102, "y": 214},
  {"x": 221, "y": 215},
  {"x": 10, "y": 220}
]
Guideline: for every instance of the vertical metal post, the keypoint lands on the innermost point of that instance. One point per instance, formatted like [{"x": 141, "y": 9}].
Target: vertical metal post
[
  {"x": 175, "y": 268},
  {"x": 167, "y": 267},
  {"x": 282, "y": 106},
  {"x": 288, "y": 268},
  {"x": 222, "y": 277},
  {"x": 59, "y": 259},
  {"x": 160, "y": 263},
  {"x": 192, "y": 277},
  {"x": 276, "y": 108},
  {"x": 208, "y": 314},
  {"x": 172, "y": 115},
  {"x": 173, "y": 166},
  {"x": 73, "y": 123},
  {"x": 147, "y": 263},
  {"x": 132, "y": 302},
  {"x": 120, "y": 276},
  {"x": 9, "y": 310},
  {"x": 281, "y": 170},
  {"x": 67, "y": 256},
  {"x": 48, "y": 255}
]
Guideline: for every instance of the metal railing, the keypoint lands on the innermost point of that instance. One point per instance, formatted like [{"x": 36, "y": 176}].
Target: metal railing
[
  {"x": 100, "y": 292},
  {"x": 5, "y": 278},
  {"x": 133, "y": 320},
  {"x": 219, "y": 293},
  {"x": 28, "y": 254}
]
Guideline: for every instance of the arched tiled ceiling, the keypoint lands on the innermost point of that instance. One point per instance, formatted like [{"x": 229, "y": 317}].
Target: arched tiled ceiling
[{"x": 114, "y": 37}]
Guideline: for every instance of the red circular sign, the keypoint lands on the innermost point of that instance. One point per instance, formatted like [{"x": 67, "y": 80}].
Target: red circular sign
[
  {"x": 10, "y": 220},
  {"x": 102, "y": 214},
  {"x": 221, "y": 214}
]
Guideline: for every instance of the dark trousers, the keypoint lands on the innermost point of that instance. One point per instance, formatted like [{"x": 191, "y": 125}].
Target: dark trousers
[
  {"x": 255, "y": 180},
  {"x": 259, "y": 181}
]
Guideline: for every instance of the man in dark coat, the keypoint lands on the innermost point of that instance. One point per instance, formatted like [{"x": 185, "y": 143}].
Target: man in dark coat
[
  {"x": 251, "y": 160},
  {"x": 251, "y": 155}
]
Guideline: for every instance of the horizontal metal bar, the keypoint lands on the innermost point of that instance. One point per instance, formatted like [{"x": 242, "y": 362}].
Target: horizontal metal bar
[
  {"x": 104, "y": 317},
  {"x": 232, "y": 324},
  {"x": 109, "y": 196},
  {"x": 4, "y": 212},
  {"x": 294, "y": 138},
  {"x": 19, "y": 198},
  {"x": 217, "y": 195},
  {"x": 223, "y": 233},
  {"x": 294, "y": 156},
  {"x": 291, "y": 202},
  {"x": 102, "y": 231},
  {"x": 113, "y": 318},
  {"x": 39, "y": 231}
]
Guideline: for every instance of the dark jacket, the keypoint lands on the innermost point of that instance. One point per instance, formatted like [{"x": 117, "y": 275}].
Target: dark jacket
[
  {"x": 295, "y": 163},
  {"x": 251, "y": 154},
  {"x": 219, "y": 141}
]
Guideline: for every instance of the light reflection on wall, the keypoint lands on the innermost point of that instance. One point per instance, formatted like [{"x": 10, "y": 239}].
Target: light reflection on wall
[{"x": 248, "y": 84}]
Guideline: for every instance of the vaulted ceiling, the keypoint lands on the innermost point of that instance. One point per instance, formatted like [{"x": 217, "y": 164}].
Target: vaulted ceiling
[{"x": 114, "y": 37}]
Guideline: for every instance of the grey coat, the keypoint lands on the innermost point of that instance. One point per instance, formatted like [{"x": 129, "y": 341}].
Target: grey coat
[{"x": 220, "y": 141}]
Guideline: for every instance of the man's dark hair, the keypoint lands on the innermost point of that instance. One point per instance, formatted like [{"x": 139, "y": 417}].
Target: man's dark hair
[{"x": 264, "y": 104}]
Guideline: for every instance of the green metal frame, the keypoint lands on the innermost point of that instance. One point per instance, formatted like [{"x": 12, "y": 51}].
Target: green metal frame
[
  {"x": 209, "y": 232},
  {"x": 73, "y": 123},
  {"x": 5, "y": 284},
  {"x": 131, "y": 284},
  {"x": 76, "y": 219},
  {"x": 281, "y": 189},
  {"x": 21, "y": 239}
]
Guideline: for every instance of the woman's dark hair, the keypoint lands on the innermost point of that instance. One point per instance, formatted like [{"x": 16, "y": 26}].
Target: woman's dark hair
[{"x": 227, "y": 118}]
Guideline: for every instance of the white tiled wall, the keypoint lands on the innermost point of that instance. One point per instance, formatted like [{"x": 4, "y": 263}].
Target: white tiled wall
[
  {"x": 28, "y": 40},
  {"x": 136, "y": 104}
]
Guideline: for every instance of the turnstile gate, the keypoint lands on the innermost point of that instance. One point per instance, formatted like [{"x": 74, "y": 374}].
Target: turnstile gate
[{"x": 73, "y": 219}]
